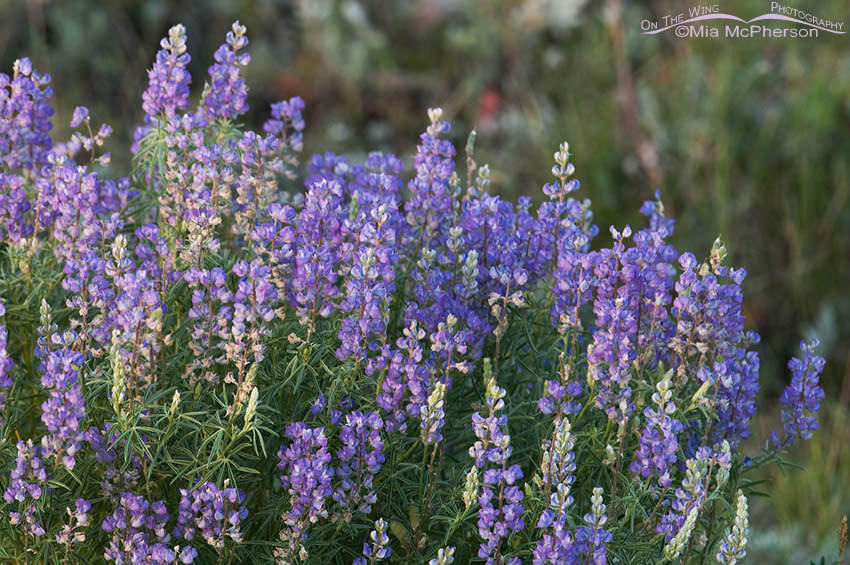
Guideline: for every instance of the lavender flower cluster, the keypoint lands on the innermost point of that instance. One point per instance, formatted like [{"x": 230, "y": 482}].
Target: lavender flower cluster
[{"x": 202, "y": 314}]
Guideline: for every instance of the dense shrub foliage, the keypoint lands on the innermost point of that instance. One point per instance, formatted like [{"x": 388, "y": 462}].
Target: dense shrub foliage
[{"x": 198, "y": 366}]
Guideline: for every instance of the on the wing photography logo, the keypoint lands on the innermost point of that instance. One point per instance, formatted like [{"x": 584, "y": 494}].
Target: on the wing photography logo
[{"x": 709, "y": 21}]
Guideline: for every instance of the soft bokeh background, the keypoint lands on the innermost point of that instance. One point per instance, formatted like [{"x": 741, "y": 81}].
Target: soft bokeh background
[{"x": 747, "y": 139}]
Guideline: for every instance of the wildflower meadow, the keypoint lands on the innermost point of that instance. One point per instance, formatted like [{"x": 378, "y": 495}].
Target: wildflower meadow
[{"x": 212, "y": 358}]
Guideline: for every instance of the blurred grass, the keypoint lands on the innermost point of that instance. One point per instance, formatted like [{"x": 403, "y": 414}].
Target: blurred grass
[
  {"x": 749, "y": 139},
  {"x": 800, "y": 521}
]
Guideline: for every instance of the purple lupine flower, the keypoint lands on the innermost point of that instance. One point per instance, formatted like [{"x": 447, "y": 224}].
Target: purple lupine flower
[
  {"x": 431, "y": 195},
  {"x": 252, "y": 312},
  {"x": 563, "y": 231},
  {"x": 610, "y": 356},
  {"x": 801, "y": 398},
  {"x": 169, "y": 78},
  {"x": 573, "y": 283},
  {"x": 6, "y": 362},
  {"x": 416, "y": 370},
  {"x": 561, "y": 220},
  {"x": 430, "y": 302},
  {"x": 154, "y": 257},
  {"x": 405, "y": 375},
  {"x": 28, "y": 483},
  {"x": 225, "y": 94},
  {"x": 556, "y": 547},
  {"x": 168, "y": 83},
  {"x": 65, "y": 409},
  {"x": 369, "y": 285},
  {"x": 446, "y": 277},
  {"x": 31, "y": 523},
  {"x": 360, "y": 458},
  {"x": 433, "y": 415},
  {"x": 211, "y": 313},
  {"x": 707, "y": 310},
  {"x": 500, "y": 499},
  {"x": 287, "y": 125},
  {"x": 735, "y": 403},
  {"x": 656, "y": 282},
  {"x": 212, "y": 514},
  {"x": 708, "y": 317},
  {"x": 658, "y": 440},
  {"x": 307, "y": 473},
  {"x": 90, "y": 292},
  {"x": 380, "y": 184},
  {"x": 15, "y": 223},
  {"x": 25, "y": 114},
  {"x": 446, "y": 280},
  {"x": 139, "y": 533},
  {"x": 256, "y": 188},
  {"x": 560, "y": 398},
  {"x": 691, "y": 495},
  {"x": 79, "y": 116},
  {"x": 448, "y": 344},
  {"x": 71, "y": 533},
  {"x": 318, "y": 235},
  {"x": 138, "y": 325},
  {"x": 332, "y": 167},
  {"x": 70, "y": 202},
  {"x": 558, "y": 463},
  {"x": 318, "y": 404},
  {"x": 590, "y": 542},
  {"x": 107, "y": 443},
  {"x": 379, "y": 549},
  {"x": 274, "y": 244},
  {"x": 558, "y": 474}
]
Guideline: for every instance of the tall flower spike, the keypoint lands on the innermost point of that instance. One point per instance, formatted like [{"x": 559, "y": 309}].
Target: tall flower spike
[
  {"x": 433, "y": 415},
  {"x": 287, "y": 124},
  {"x": 616, "y": 306},
  {"x": 226, "y": 94},
  {"x": 688, "y": 498},
  {"x": 305, "y": 464},
  {"x": 558, "y": 468},
  {"x": 25, "y": 114},
  {"x": 169, "y": 78},
  {"x": 27, "y": 485},
  {"x": 558, "y": 463},
  {"x": 379, "y": 549},
  {"x": 430, "y": 193},
  {"x": 15, "y": 217},
  {"x": 168, "y": 83},
  {"x": 658, "y": 442},
  {"x": 500, "y": 499},
  {"x": 802, "y": 397},
  {"x": 361, "y": 457},
  {"x": 733, "y": 548},
  {"x": 318, "y": 237},
  {"x": 64, "y": 410},
  {"x": 562, "y": 221},
  {"x": 676, "y": 546},
  {"x": 591, "y": 541},
  {"x": 369, "y": 284}
]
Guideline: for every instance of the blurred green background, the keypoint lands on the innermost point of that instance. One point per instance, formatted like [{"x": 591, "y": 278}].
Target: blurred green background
[{"x": 746, "y": 138}]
